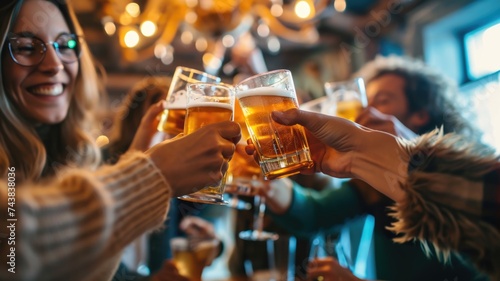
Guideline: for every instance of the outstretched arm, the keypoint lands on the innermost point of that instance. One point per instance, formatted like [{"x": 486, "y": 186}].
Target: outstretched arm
[{"x": 445, "y": 188}]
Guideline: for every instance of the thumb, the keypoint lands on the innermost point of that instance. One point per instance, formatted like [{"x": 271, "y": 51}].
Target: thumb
[
  {"x": 310, "y": 120},
  {"x": 153, "y": 111}
]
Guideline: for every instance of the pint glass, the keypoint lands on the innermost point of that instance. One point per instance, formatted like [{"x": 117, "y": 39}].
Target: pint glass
[
  {"x": 346, "y": 99},
  {"x": 172, "y": 119},
  {"x": 207, "y": 104},
  {"x": 282, "y": 150},
  {"x": 243, "y": 170}
]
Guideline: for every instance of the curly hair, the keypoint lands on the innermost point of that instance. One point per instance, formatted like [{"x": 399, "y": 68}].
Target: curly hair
[
  {"x": 73, "y": 139},
  {"x": 134, "y": 105},
  {"x": 426, "y": 89}
]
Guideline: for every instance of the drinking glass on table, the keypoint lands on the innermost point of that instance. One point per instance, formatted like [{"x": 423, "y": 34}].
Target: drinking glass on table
[
  {"x": 172, "y": 118},
  {"x": 191, "y": 258},
  {"x": 208, "y": 103},
  {"x": 346, "y": 99},
  {"x": 282, "y": 150}
]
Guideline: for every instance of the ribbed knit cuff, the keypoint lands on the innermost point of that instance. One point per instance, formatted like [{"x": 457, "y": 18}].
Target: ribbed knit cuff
[
  {"x": 72, "y": 224},
  {"x": 141, "y": 194}
]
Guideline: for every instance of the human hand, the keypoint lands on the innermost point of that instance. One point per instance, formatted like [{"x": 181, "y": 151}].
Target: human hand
[
  {"x": 204, "y": 156},
  {"x": 168, "y": 272},
  {"x": 201, "y": 234},
  {"x": 332, "y": 140},
  {"x": 328, "y": 269},
  {"x": 376, "y": 120},
  {"x": 147, "y": 135},
  {"x": 344, "y": 149}
]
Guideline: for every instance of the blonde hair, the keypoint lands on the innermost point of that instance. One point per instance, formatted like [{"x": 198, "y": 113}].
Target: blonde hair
[{"x": 21, "y": 146}]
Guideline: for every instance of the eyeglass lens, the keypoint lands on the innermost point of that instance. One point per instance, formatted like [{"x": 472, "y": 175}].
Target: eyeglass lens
[{"x": 29, "y": 51}]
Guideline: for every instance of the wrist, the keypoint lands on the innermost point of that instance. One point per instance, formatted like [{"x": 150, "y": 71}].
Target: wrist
[
  {"x": 279, "y": 196},
  {"x": 381, "y": 160}
]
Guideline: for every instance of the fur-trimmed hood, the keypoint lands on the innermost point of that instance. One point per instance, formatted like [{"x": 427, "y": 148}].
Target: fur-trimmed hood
[{"x": 448, "y": 203}]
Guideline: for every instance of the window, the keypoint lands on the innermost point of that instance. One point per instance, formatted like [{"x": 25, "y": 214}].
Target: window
[{"x": 482, "y": 50}]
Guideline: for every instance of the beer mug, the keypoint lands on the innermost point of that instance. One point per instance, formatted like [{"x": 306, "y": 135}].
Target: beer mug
[
  {"x": 242, "y": 170},
  {"x": 346, "y": 99},
  {"x": 208, "y": 103},
  {"x": 172, "y": 118},
  {"x": 282, "y": 150}
]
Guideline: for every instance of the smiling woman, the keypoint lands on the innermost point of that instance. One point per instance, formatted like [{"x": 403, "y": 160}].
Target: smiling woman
[
  {"x": 45, "y": 106},
  {"x": 69, "y": 219}
]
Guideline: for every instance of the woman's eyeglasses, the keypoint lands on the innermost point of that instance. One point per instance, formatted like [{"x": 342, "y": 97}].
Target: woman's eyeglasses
[{"x": 30, "y": 51}]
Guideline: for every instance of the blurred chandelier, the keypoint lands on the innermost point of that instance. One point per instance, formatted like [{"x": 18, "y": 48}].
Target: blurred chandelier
[{"x": 147, "y": 27}]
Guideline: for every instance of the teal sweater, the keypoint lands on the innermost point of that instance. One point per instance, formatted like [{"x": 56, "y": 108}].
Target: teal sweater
[{"x": 333, "y": 208}]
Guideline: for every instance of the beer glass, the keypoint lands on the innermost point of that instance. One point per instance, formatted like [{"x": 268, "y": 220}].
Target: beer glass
[
  {"x": 172, "y": 118},
  {"x": 191, "y": 259},
  {"x": 346, "y": 99},
  {"x": 208, "y": 103},
  {"x": 282, "y": 150},
  {"x": 242, "y": 170}
]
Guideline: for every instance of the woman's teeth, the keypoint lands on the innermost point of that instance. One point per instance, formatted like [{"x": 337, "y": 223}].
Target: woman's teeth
[{"x": 48, "y": 90}]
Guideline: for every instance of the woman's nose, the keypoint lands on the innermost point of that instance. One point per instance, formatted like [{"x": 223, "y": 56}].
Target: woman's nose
[{"x": 51, "y": 62}]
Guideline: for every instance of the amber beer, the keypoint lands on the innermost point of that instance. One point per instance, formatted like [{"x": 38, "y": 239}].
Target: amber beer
[
  {"x": 348, "y": 98},
  {"x": 243, "y": 170},
  {"x": 191, "y": 260},
  {"x": 282, "y": 150},
  {"x": 172, "y": 121},
  {"x": 172, "y": 118},
  {"x": 204, "y": 113},
  {"x": 349, "y": 109}
]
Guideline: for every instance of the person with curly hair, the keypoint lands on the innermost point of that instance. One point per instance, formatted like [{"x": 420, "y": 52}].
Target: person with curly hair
[{"x": 405, "y": 98}]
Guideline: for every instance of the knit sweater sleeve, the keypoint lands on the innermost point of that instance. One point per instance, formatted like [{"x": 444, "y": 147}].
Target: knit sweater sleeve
[
  {"x": 452, "y": 200},
  {"x": 70, "y": 225}
]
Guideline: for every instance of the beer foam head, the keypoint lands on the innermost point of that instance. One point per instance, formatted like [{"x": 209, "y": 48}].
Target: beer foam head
[{"x": 266, "y": 91}]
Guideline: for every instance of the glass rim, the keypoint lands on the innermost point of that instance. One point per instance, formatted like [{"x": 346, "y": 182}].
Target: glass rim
[
  {"x": 262, "y": 74},
  {"x": 218, "y": 85},
  {"x": 356, "y": 80},
  {"x": 183, "y": 69}
]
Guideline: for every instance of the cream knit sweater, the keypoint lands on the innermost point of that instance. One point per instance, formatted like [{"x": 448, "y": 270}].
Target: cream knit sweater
[{"x": 74, "y": 227}]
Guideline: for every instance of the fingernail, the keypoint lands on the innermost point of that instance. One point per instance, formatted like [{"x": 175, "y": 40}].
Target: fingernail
[
  {"x": 279, "y": 116},
  {"x": 162, "y": 104}
]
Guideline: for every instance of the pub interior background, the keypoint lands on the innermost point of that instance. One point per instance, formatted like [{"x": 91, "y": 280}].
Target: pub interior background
[{"x": 461, "y": 38}]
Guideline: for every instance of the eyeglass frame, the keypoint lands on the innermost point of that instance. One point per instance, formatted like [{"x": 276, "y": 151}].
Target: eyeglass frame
[{"x": 78, "y": 49}]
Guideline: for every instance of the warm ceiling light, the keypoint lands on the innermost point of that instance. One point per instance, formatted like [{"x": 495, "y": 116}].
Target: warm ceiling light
[
  {"x": 109, "y": 28},
  {"x": 209, "y": 23},
  {"x": 303, "y": 9},
  {"x": 276, "y": 10},
  {"x": 228, "y": 41},
  {"x": 201, "y": 44},
  {"x": 131, "y": 38},
  {"x": 148, "y": 28},
  {"x": 187, "y": 37},
  {"x": 273, "y": 44},
  {"x": 263, "y": 30},
  {"x": 133, "y": 9}
]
